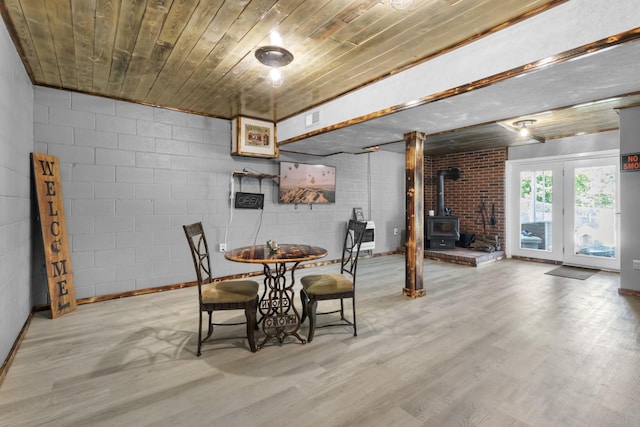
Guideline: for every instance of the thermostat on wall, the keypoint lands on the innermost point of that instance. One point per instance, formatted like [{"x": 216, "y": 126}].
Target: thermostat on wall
[{"x": 249, "y": 200}]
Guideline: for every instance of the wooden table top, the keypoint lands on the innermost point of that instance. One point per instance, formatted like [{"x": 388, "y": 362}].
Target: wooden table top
[{"x": 260, "y": 254}]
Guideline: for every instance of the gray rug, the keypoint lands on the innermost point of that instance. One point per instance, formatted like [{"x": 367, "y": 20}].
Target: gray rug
[{"x": 573, "y": 272}]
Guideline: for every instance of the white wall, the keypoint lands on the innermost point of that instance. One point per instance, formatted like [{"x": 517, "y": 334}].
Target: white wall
[
  {"x": 629, "y": 201},
  {"x": 133, "y": 175},
  {"x": 388, "y": 199},
  {"x": 565, "y": 146},
  {"x": 16, "y": 143}
]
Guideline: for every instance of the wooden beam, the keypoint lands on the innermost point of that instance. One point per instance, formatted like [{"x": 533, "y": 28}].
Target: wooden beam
[{"x": 414, "y": 214}]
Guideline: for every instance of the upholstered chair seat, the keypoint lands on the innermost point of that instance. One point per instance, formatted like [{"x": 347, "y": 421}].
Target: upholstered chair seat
[
  {"x": 334, "y": 286},
  {"x": 233, "y": 291},
  {"x": 220, "y": 295},
  {"x": 325, "y": 284}
]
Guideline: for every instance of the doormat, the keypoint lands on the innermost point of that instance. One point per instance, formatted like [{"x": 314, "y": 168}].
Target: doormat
[{"x": 572, "y": 272}]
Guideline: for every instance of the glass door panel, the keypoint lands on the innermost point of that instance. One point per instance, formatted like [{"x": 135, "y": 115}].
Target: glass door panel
[
  {"x": 592, "y": 234},
  {"x": 535, "y": 191},
  {"x": 536, "y": 208}
]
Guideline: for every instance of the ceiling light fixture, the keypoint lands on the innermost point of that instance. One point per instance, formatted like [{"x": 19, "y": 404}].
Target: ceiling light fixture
[
  {"x": 275, "y": 78},
  {"x": 274, "y": 57},
  {"x": 400, "y": 4},
  {"x": 524, "y": 126}
]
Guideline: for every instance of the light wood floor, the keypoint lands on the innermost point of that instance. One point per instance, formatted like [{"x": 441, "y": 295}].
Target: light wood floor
[{"x": 499, "y": 345}]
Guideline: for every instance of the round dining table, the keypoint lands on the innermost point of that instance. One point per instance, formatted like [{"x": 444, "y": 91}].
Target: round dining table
[{"x": 279, "y": 316}]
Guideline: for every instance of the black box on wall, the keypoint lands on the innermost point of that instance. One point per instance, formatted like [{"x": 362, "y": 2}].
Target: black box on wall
[{"x": 249, "y": 200}]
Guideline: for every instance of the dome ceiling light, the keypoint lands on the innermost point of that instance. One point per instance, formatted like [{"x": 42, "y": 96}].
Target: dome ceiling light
[
  {"x": 274, "y": 57},
  {"x": 524, "y": 126}
]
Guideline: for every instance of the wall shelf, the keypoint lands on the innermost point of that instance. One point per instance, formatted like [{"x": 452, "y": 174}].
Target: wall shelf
[{"x": 259, "y": 176}]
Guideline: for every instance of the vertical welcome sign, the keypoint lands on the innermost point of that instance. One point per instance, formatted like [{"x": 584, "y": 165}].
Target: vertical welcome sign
[{"x": 46, "y": 171}]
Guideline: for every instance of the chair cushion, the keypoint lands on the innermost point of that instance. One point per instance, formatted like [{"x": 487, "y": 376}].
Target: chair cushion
[
  {"x": 230, "y": 291},
  {"x": 323, "y": 284}
]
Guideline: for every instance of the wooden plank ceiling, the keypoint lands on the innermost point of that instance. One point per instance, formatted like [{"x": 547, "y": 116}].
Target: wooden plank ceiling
[
  {"x": 198, "y": 56},
  {"x": 592, "y": 117}
]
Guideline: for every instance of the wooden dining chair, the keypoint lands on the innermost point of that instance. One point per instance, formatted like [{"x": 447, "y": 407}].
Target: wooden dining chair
[
  {"x": 220, "y": 295},
  {"x": 320, "y": 287}
]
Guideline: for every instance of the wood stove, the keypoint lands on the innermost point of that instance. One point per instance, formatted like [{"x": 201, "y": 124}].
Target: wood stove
[{"x": 443, "y": 229}]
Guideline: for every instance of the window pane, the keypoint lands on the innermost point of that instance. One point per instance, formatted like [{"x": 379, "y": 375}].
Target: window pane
[
  {"x": 536, "y": 203},
  {"x": 594, "y": 213}
]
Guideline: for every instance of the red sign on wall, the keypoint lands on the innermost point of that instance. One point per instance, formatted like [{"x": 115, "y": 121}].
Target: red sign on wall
[{"x": 630, "y": 162}]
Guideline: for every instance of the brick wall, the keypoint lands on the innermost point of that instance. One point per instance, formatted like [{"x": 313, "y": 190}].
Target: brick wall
[{"x": 481, "y": 179}]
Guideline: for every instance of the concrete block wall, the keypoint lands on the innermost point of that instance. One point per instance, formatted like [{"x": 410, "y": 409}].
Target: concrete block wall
[
  {"x": 16, "y": 144},
  {"x": 388, "y": 199},
  {"x": 134, "y": 174}
]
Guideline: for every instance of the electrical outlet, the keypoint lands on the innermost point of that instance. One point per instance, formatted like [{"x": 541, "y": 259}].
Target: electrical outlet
[
  {"x": 222, "y": 247},
  {"x": 636, "y": 264},
  {"x": 395, "y": 231}
]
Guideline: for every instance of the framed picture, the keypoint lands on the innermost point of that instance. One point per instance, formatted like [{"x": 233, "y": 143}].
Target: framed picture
[
  {"x": 254, "y": 138},
  {"x": 358, "y": 214}
]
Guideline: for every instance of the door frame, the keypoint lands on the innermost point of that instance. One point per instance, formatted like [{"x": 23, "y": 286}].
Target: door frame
[{"x": 512, "y": 218}]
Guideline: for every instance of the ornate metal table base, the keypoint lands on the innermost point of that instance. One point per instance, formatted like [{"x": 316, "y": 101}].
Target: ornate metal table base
[
  {"x": 280, "y": 319},
  {"x": 278, "y": 315}
]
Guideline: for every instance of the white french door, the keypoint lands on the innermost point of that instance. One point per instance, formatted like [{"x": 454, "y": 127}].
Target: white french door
[
  {"x": 591, "y": 217},
  {"x": 566, "y": 210}
]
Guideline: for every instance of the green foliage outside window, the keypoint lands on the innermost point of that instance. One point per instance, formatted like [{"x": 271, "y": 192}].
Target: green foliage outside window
[
  {"x": 544, "y": 186},
  {"x": 596, "y": 189}
]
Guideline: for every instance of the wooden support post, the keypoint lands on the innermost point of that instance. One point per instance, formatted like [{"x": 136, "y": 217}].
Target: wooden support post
[{"x": 414, "y": 214}]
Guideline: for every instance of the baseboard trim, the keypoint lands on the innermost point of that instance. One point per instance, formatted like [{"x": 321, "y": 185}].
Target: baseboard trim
[
  {"x": 127, "y": 294},
  {"x": 14, "y": 349},
  {"x": 108, "y": 297},
  {"x": 180, "y": 285},
  {"x": 632, "y": 292},
  {"x": 539, "y": 260}
]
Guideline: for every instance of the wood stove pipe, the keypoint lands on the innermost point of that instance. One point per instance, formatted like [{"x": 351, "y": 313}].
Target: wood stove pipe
[
  {"x": 451, "y": 173},
  {"x": 440, "y": 190}
]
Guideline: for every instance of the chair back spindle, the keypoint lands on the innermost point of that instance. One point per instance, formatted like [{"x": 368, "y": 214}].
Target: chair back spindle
[
  {"x": 351, "y": 248},
  {"x": 200, "y": 253}
]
